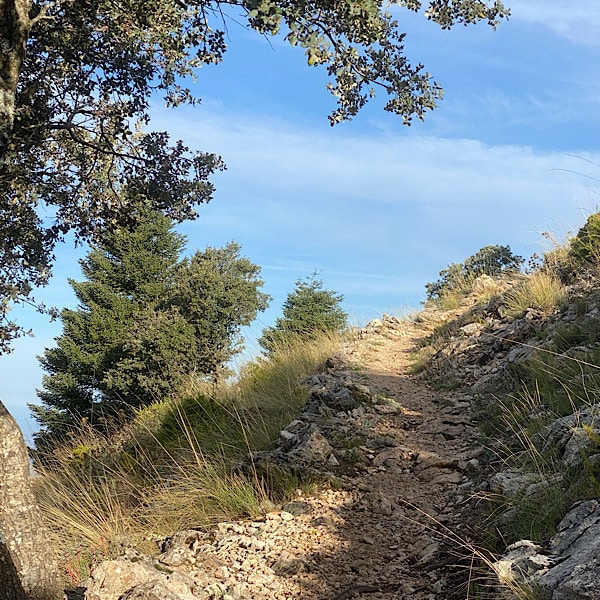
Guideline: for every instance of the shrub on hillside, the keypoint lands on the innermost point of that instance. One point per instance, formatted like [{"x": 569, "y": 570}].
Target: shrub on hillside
[
  {"x": 585, "y": 246},
  {"x": 170, "y": 468},
  {"x": 457, "y": 277}
]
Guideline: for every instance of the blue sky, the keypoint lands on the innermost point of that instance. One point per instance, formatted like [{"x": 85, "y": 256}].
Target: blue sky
[{"x": 378, "y": 209}]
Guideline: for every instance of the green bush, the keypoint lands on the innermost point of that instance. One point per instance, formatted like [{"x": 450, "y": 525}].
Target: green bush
[
  {"x": 585, "y": 246},
  {"x": 489, "y": 260}
]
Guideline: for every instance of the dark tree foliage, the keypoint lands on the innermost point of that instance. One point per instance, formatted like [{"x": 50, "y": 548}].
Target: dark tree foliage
[
  {"x": 489, "y": 260},
  {"x": 216, "y": 292},
  {"x": 76, "y": 78},
  {"x": 146, "y": 324},
  {"x": 310, "y": 309}
]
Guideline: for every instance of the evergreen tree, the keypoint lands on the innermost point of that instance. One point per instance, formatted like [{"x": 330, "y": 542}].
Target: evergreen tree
[
  {"x": 308, "y": 310},
  {"x": 146, "y": 323}
]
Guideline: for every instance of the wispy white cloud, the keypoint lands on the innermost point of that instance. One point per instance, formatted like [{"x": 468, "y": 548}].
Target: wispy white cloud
[
  {"x": 578, "y": 20},
  {"x": 385, "y": 204}
]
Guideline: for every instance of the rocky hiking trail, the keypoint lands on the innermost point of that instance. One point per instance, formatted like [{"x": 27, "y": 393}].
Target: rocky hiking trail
[{"x": 388, "y": 528}]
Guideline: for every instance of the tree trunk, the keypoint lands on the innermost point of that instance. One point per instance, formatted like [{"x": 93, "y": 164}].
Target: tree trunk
[
  {"x": 28, "y": 570},
  {"x": 14, "y": 31},
  {"x": 10, "y": 584}
]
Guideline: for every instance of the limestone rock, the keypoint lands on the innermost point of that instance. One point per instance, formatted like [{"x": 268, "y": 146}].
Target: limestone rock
[
  {"x": 182, "y": 547},
  {"x": 309, "y": 446},
  {"x": 570, "y": 567},
  {"x": 138, "y": 577},
  {"x": 576, "y": 547},
  {"x": 484, "y": 285},
  {"x": 373, "y": 327},
  {"x": 573, "y": 436},
  {"x": 27, "y": 565},
  {"x": 522, "y": 560},
  {"x": 473, "y": 329},
  {"x": 515, "y": 483},
  {"x": 152, "y": 590}
]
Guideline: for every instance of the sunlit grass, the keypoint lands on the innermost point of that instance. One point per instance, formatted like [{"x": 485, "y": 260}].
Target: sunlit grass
[
  {"x": 541, "y": 290},
  {"x": 170, "y": 468}
]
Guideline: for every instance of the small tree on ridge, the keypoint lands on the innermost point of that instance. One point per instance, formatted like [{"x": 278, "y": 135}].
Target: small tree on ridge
[{"x": 309, "y": 310}]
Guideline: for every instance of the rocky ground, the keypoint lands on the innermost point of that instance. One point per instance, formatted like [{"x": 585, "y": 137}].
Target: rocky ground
[{"x": 396, "y": 523}]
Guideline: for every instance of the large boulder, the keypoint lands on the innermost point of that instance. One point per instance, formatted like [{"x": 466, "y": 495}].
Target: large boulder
[
  {"x": 569, "y": 568},
  {"x": 28, "y": 569},
  {"x": 138, "y": 577},
  {"x": 576, "y": 551}
]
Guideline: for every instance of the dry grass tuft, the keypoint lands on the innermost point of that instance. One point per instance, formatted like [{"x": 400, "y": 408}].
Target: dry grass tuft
[
  {"x": 170, "y": 468},
  {"x": 541, "y": 291}
]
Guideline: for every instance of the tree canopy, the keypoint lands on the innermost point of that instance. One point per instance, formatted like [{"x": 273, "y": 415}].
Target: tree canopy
[
  {"x": 146, "y": 323},
  {"x": 76, "y": 78},
  {"x": 489, "y": 260}
]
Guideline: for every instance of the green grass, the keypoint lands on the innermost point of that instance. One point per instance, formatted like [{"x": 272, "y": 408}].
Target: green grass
[
  {"x": 170, "y": 468},
  {"x": 584, "y": 332},
  {"x": 518, "y": 433}
]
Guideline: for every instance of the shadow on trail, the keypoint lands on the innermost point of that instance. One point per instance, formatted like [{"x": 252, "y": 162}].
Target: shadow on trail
[{"x": 402, "y": 525}]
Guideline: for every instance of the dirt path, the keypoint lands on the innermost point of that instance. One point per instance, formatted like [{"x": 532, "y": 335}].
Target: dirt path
[
  {"x": 370, "y": 541},
  {"x": 380, "y": 533},
  {"x": 377, "y": 537}
]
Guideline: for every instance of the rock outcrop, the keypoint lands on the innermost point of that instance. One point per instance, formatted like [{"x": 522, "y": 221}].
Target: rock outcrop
[
  {"x": 327, "y": 438},
  {"x": 28, "y": 570},
  {"x": 575, "y": 438},
  {"x": 481, "y": 349},
  {"x": 569, "y": 567}
]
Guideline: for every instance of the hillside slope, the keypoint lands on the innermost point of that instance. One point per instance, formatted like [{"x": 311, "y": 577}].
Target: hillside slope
[
  {"x": 400, "y": 458},
  {"x": 436, "y": 455}
]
